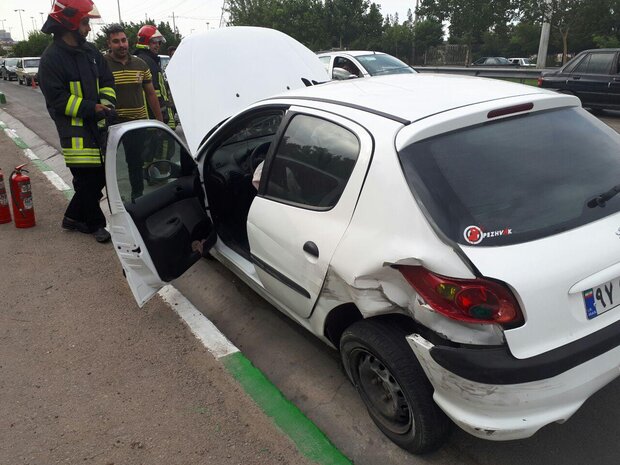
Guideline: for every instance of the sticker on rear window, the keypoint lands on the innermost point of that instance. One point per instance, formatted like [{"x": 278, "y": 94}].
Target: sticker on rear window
[{"x": 474, "y": 234}]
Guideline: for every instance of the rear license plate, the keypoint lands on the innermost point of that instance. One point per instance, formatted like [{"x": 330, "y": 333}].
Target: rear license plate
[{"x": 601, "y": 299}]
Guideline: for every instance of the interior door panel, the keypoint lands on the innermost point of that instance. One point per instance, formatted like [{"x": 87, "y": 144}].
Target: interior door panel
[{"x": 170, "y": 223}]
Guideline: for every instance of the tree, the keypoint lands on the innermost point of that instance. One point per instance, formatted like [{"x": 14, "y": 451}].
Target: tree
[
  {"x": 427, "y": 33},
  {"x": 524, "y": 39},
  {"x": 470, "y": 20},
  {"x": 33, "y": 47}
]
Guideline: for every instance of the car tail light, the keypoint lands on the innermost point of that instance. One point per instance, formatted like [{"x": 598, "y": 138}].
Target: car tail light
[
  {"x": 469, "y": 300},
  {"x": 540, "y": 79}
]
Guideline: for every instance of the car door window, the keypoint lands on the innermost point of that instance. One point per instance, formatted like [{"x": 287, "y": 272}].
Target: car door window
[
  {"x": 312, "y": 164},
  {"x": 582, "y": 67},
  {"x": 600, "y": 63},
  {"x": 348, "y": 65},
  {"x": 147, "y": 159}
]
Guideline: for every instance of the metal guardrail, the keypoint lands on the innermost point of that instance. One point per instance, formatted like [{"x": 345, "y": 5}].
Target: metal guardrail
[{"x": 490, "y": 72}]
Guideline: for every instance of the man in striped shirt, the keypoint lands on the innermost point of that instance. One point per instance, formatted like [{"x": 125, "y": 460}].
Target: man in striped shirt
[{"x": 134, "y": 90}]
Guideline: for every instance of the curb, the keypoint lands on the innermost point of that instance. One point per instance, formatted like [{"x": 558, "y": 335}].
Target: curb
[
  {"x": 56, "y": 180},
  {"x": 310, "y": 441}
]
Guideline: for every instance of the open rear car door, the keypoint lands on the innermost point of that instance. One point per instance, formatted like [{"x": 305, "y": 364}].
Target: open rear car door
[{"x": 159, "y": 224}]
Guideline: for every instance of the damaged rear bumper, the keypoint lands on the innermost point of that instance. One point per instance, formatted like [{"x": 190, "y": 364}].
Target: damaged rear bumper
[{"x": 514, "y": 411}]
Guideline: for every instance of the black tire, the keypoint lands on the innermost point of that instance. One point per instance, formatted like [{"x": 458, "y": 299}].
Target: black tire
[
  {"x": 27, "y": 82},
  {"x": 19, "y": 81},
  {"x": 393, "y": 385}
]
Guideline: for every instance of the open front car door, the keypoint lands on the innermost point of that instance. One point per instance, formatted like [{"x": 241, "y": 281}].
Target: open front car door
[{"x": 159, "y": 224}]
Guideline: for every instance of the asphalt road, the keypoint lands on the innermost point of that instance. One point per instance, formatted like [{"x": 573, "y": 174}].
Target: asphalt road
[{"x": 308, "y": 373}]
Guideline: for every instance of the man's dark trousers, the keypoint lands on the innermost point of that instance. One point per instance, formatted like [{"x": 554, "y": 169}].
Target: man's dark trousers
[{"x": 84, "y": 206}]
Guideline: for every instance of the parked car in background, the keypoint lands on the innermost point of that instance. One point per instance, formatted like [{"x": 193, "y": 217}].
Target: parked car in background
[
  {"x": 593, "y": 76},
  {"x": 522, "y": 62},
  {"x": 163, "y": 61},
  {"x": 455, "y": 238},
  {"x": 8, "y": 69},
  {"x": 358, "y": 63},
  {"x": 493, "y": 61},
  {"x": 27, "y": 69}
]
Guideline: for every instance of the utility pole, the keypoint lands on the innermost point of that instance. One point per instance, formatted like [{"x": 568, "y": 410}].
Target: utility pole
[
  {"x": 42, "y": 20},
  {"x": 174, "y": 24},
  {"x": 34, "y": 28},
  {"x": 225, "y": 6},
  {"x": 2, "y": 20},
  {"x": 21, "y": 23},
  {"x": 543, "y": 45},
  {"x": 207, "y": 25},
  {"x": 118, "y": 5}
]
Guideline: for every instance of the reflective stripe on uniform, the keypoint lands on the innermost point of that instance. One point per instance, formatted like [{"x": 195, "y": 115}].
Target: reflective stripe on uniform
[
  {"x": 83, "y": 156},
  {"x": 77, "y": 142},
  {"x": 77, "y": 122},
  {"x": 108, "y": 91},
  {"x": 73, "y": 106},
  {"x": 75, "y": 99}
]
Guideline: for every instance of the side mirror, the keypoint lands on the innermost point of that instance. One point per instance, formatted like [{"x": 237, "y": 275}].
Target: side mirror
[
  {"x": 342, "y": 74},
  {"x": 161, "y": 171}
]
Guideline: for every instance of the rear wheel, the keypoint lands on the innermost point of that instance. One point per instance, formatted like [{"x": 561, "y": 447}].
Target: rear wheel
[
  {"x": 392, "y": 384},
  {"x": 19, "y": 80}
]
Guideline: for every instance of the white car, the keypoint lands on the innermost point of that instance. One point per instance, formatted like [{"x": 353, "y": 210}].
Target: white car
[
  {"x": 27, "y": 69},
  {"x": 523, "y": 62},
  {"x": 456, "y": 238},
  {"x": 359, "y": 63}
]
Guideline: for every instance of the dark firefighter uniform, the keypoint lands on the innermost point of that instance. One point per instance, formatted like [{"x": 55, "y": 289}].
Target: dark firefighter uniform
[
  {"x": 159, "y": 83},
  {"x": 73, "y": 80}
]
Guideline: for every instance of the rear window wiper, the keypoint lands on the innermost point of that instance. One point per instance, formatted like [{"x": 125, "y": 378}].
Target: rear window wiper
[{"x": 601, "y": 199}]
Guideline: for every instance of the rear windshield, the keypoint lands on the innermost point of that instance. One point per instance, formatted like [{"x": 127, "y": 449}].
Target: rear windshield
[
  {"x": 516, "y": 179},
  {"x": 10, "y": 62},
  {"x": 377, "y": 64},
  {"x": 31, "y": 63}
]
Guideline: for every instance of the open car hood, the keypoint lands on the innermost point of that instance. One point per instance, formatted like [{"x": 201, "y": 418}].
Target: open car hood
[{"x": 216, "y": 74}]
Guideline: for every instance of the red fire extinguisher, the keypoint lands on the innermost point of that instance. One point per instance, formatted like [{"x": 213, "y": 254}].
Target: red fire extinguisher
[
  {"x": 5, "y": 210},
  {"x": 21, "y": 196}
]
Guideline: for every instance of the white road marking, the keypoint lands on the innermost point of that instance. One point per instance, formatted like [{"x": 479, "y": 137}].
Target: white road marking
[
  {"x": 56, "y": 180},
  {"x": 198, "y": 324},
  {"x": 31, "y": 155}
]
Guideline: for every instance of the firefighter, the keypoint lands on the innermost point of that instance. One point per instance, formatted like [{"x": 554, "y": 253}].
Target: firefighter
[
  {"x": 78, "y": 87},
  {"x": 147, "y": 48}
]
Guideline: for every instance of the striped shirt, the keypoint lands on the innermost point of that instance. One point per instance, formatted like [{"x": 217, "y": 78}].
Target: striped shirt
[{"x": 129, "y": 79}]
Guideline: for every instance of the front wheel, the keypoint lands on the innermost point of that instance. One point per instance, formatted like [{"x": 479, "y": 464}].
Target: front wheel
[{"x": 393, "y": 385}]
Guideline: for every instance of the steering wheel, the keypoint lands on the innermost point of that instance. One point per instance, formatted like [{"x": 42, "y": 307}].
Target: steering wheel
[{"x": 258, "y": 155}]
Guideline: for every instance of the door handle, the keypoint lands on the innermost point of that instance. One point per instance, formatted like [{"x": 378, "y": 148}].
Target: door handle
[
  {"x": 576, "y": 78},
  {"x": 311, "y": 248}
]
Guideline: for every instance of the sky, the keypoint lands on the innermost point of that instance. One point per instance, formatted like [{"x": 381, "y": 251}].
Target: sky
[{"x": 191, "y": 16}]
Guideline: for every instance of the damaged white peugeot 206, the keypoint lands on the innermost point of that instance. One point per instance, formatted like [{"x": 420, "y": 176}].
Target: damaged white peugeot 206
[{"x": 457, "y": 239}]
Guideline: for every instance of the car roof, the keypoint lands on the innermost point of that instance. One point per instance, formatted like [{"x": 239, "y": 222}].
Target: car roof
[
  {"x": 353, "y": 53},
  {"x": 410, "y": 97}
]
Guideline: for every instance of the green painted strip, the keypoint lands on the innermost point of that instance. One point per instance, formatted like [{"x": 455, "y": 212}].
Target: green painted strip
[
  {"x": 41, "y": 165},
  {"x": 308, "y": 438},
  {"x": 68, "y": 193},
  {"x": 2, "y": 125},
  {"x": 20, "y": 143}
]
